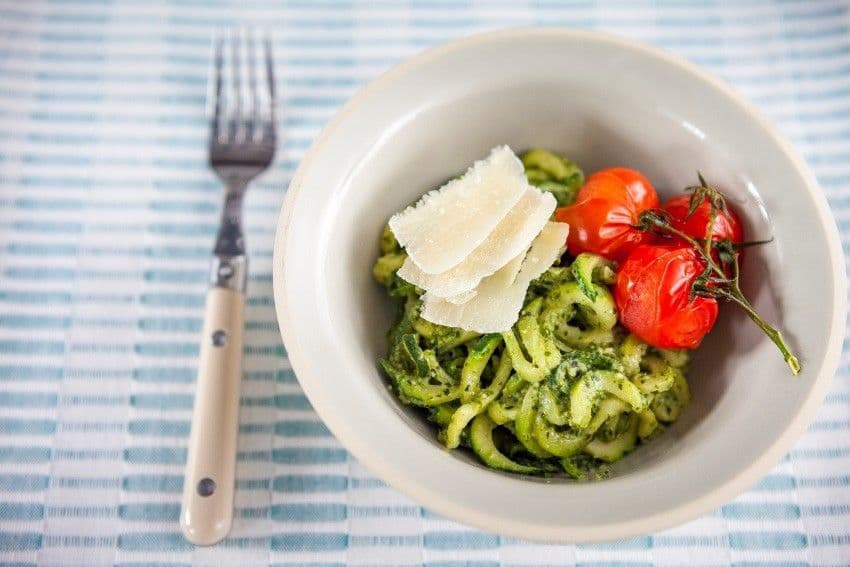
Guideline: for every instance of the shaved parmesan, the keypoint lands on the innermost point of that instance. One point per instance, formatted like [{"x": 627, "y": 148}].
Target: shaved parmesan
[
  {"x": 505, "y": 276},
  {"x": 462, "y": 297},
  {"x": 495, "y": 308},
  {"x": 510, "y": 237},
  {"x": 446, "y": 225},
  {"x": 508, "y": 273}
]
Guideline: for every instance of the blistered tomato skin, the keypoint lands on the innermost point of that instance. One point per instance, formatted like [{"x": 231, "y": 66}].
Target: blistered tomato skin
[
  {"x": 726, "y": 225},
  {"x": 640, "y": 189},
  {"x": 653, "y": 297},
  {"x": 602, "y": 219}
]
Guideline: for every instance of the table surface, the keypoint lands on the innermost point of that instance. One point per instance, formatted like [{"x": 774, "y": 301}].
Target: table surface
[{"x": 107, "y": 215}]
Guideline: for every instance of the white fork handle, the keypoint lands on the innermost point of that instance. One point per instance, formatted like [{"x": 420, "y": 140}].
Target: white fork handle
[{"x": 207, "y": 510}]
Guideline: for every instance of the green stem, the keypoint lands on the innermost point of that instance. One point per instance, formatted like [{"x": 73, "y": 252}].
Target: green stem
[
  {"x": 738, "y": 297},
  {"x": 706, "y": 256},
  {"x": 709, "y": 229},
  {"x": 751, "y": 243}
]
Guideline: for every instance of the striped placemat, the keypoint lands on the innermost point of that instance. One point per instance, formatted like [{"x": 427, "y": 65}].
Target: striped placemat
[{"x": 107, "y": 215}]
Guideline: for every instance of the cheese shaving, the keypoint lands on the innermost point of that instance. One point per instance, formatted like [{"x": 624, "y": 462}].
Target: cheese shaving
[
  {"x": 496, "y": 306},
  {"x": 447, "y": 224},
  {"x": 510, "y": 237},
  {"x": 507, "y": 274}
]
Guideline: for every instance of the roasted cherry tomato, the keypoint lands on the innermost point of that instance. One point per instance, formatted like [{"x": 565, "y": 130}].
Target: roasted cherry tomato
[
  {"x": 726, "y": 225},
  {"x": 653, "y": 296},
  {"x": 604, "y": 214},
  {"x": 640, "y": 189}
]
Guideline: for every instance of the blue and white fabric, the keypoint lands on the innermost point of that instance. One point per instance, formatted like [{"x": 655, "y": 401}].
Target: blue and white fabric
[{"x": 107, "y": 216}]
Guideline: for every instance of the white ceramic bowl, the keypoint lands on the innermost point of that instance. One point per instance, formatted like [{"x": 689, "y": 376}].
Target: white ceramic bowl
[{"x": 602, "y": 101}]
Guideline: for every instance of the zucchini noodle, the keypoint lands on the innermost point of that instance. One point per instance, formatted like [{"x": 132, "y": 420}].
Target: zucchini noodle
[{"x": 566, "y": 390}]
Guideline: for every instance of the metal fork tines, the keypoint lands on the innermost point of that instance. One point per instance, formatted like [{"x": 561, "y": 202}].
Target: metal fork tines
[
  {"x": 241, "y": 146},
  {"x": 242, "y": 137}
]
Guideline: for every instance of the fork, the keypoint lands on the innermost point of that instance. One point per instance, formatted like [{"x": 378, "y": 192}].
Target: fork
[{"x": 242, "y": 144}]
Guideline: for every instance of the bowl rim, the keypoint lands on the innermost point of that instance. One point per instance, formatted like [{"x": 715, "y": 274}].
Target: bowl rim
[{"x": 657, "y": 521}]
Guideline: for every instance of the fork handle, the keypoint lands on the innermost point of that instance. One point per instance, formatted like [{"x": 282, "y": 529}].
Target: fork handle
[{"x": 208, "y": 488}]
